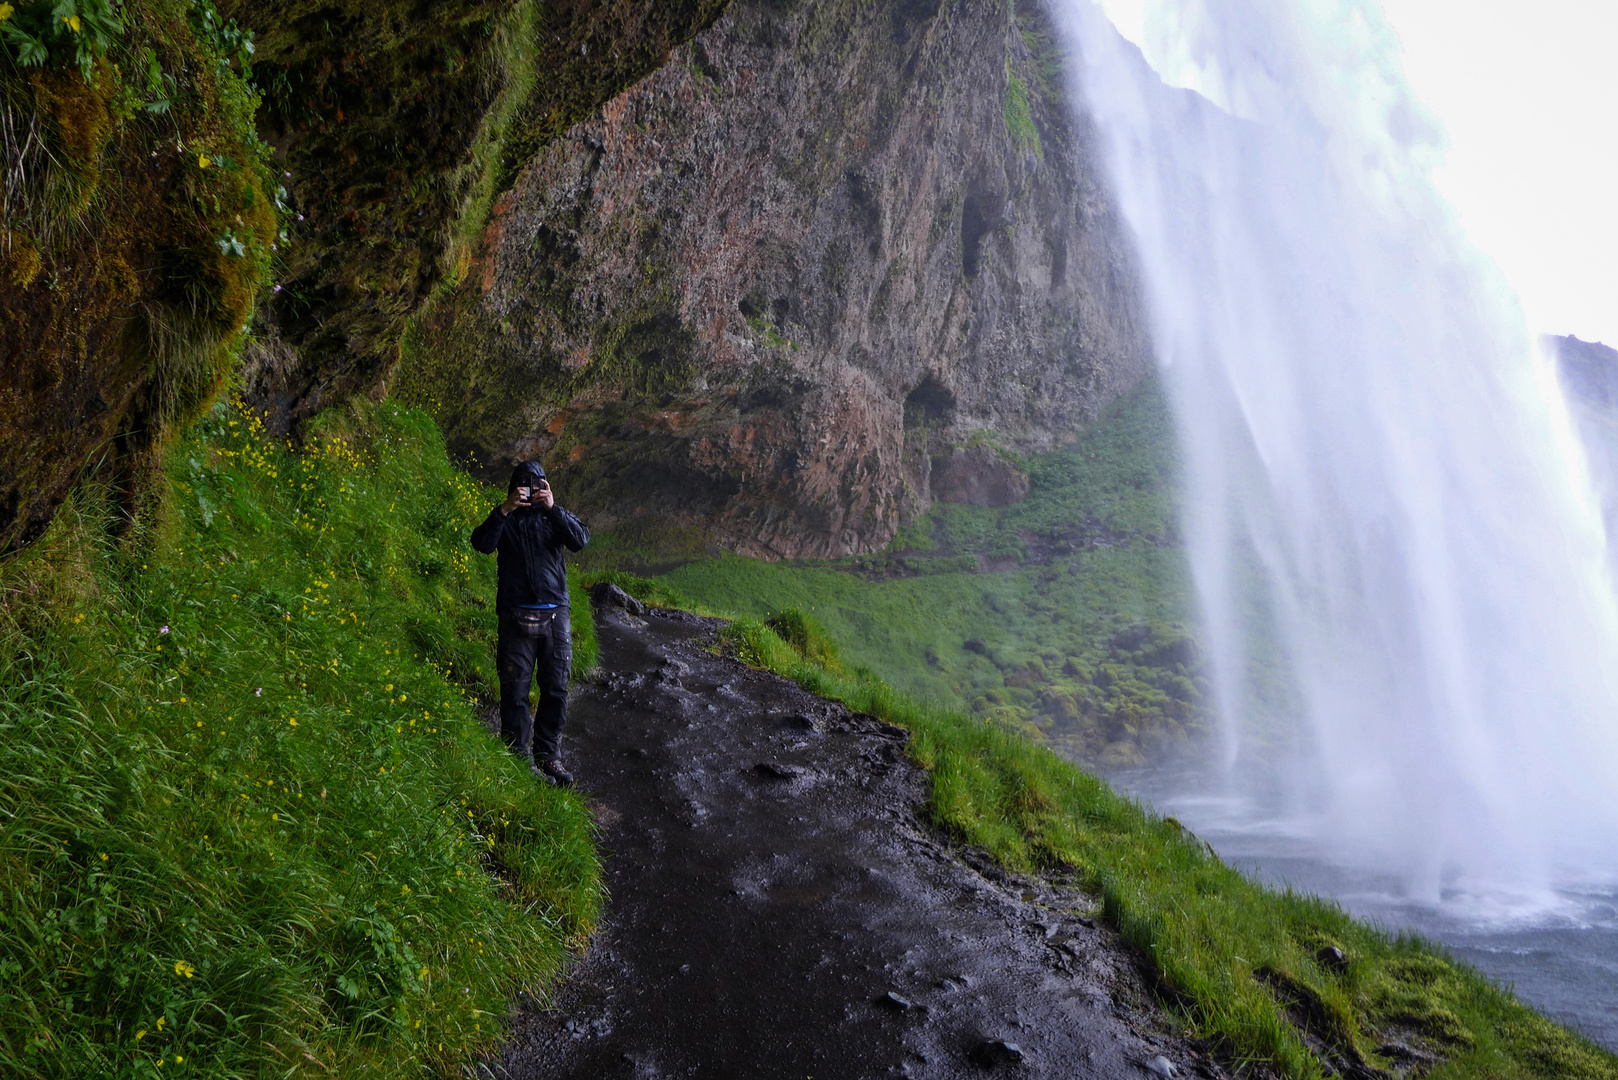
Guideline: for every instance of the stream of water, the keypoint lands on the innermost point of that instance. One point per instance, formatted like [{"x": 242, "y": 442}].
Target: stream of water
[{"x": 1406, "y": 597}]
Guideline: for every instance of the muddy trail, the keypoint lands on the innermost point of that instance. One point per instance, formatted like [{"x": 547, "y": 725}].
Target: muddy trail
[{"x": 780, "y": 908}]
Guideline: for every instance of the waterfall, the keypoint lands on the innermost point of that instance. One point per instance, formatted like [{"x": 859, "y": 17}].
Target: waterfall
[{"x": 1383, "y": 486}]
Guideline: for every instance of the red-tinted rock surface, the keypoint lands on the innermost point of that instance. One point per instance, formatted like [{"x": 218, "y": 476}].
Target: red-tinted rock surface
[{"x": 759, "y": 291}]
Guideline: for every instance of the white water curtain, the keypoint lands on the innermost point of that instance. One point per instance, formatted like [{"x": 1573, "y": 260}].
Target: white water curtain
[{"x": 1365, "y": 420}]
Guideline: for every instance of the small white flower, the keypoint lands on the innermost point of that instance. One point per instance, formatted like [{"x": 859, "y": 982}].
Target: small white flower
[
  {"x": 259, "y": 692},
  {"x": 162, "y": 630}
]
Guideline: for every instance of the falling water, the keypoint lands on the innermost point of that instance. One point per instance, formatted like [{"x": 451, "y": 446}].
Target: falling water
[{"x": 1383, "y": 486}]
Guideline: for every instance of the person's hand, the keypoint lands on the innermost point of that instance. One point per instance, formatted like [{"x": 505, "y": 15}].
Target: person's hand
[
  {"x": 542, "y": 494},
  {"x": 515, "y": 500}
]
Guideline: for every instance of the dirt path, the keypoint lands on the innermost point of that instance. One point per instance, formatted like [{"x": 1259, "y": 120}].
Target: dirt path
[{"x": 778, "y": 908}]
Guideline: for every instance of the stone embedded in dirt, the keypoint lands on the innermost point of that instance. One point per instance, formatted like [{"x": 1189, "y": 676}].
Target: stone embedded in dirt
[
  {"x": 894, "y": 1001},
  {"x": 1409, "y": 1056},
  {"x": 802, "y": 722},
  {"x": 994, "y": 1052},
  {"x": 608, "y": 595},
  {"x": 1332, "y": 959},
  {"x": 1162, "y": 1066},
  {"x": 780, "y": 772}
]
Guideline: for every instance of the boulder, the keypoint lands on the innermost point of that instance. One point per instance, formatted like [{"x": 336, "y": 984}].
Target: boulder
[
  {"x": 978, "y": 476},
  {"x": 607, "y": 595}
]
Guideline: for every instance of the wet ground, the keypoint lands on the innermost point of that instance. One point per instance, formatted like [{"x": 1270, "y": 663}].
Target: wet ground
[{"x": 779, "y": 908}]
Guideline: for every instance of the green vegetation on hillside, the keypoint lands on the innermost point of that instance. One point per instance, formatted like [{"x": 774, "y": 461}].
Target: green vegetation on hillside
[
  {"x": 1074, "y": 634},
  {"x": 250, "y": 821},
  {"x": 1247, "y": 967}
]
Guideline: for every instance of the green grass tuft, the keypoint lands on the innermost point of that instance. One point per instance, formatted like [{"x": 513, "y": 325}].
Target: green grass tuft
[
  {"x": 250, "y": 821},
  {"x": 807, "y": 637}
]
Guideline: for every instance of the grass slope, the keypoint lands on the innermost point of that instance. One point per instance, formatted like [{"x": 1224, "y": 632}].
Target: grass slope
[
  {"x": 250, "y": 824},
  {"x": 1242, "y": 963}
]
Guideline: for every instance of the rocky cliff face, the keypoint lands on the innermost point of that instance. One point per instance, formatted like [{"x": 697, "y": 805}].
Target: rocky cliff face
[
  {"x": 394, "y": 123},
  {"x": 1588, "y": 370},
  {"x": 778, "y": 289},
  {"x": 1589, "y": 375},
  {"x": 763, "y": 290},
  {"x": 165, "y": 185}
]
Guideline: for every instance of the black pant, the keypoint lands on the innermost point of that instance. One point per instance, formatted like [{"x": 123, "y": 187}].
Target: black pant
[{"x": 521, "y": 657}]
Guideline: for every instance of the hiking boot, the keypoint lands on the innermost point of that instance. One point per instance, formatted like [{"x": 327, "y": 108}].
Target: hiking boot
[{"x": 557, "y": 775}]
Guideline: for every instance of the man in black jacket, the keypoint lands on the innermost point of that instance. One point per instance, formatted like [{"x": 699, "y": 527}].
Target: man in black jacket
[{"x": 529, "y": 530}]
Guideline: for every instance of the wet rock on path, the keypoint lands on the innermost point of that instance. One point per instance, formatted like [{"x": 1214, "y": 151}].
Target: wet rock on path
[{"x": 779, "y": 908}]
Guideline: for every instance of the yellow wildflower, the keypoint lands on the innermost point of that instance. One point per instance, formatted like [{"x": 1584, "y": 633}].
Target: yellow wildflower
[
  {"x": 73, "y": 23},
  {"x": 161, "y": 1020},
  {"x": 203, "y": 161},
  {"x": 182, "y": 968},
  {"x": 5, "y": 12},
  {"x": 141, "y": 1034}
]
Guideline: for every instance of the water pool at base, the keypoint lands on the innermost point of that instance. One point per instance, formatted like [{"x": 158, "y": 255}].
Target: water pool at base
[{"x": 1557, "y": 950}]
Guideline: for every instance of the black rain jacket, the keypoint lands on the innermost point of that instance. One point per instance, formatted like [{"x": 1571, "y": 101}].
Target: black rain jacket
[{"x": 530, "y": 541}]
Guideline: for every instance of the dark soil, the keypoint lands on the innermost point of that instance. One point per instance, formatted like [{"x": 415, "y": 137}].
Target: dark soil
[{"x": 780, "y": 909}]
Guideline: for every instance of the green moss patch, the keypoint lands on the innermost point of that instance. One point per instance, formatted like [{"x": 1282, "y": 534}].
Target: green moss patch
[{"x": 140, "y": 225}]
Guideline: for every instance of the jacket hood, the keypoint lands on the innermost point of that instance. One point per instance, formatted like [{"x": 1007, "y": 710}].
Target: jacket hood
[{"x": 526, "y": 471}]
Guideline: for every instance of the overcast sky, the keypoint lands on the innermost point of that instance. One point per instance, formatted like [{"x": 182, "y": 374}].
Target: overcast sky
[{"x": 1527, "y": 91}]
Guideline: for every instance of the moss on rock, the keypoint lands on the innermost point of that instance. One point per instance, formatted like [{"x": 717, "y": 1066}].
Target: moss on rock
[{"x": 138, "y": 231}]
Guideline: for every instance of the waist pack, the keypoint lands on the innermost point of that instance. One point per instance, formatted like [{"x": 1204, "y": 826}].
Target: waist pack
[{"x": 532, "y": 622}]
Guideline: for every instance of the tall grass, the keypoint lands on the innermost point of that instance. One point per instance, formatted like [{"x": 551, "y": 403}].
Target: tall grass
[
  {"x": 250, "y": 822},
  {"x": 1243, "y": 964}
]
